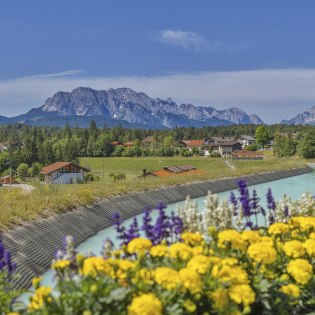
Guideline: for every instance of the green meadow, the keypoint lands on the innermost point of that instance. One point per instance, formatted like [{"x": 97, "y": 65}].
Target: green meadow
[{"x": 46, "y": 200}]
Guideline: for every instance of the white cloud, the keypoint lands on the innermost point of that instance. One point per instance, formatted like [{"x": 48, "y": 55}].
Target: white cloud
[
  {"x": 188, "y": 41},
  {"x": 271, "y": 93}
]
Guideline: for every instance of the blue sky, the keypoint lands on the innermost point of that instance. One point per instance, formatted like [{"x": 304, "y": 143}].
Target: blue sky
[{"x": 256, "y": 55}]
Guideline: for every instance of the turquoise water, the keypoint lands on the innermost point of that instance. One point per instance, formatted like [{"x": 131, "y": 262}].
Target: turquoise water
[{"x": 293, "y": 187}]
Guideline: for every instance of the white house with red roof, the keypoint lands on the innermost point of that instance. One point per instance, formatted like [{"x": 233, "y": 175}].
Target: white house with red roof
[{"x": 64, "y": 173}]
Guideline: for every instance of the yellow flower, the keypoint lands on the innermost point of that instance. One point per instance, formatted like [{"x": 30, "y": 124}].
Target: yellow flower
[
  {"x": 139, "y": 245},
  {"x": 295, "y": 233},
  {"x": 266, "y": 240},
  {"x": 309, "y": 246},
  {"x": 60, "y": 264},
  {"x": 190, "y": 306},
  {"x": 199, "y": 263},
  {"x": 180, "y": 251},
  {"x": 36, "y": 282},
  {"x": 285, "y": 277},
  {"x": 304, "y": 223},
  {"x": 93, "y": 266},
  {"x": 251, "y": 236},
  {"x": 192, "y": 239},
  {"x": 197, "y": 250},
  {"x": 278, "y": 228},
  {"x": 294, "y": 249},
  {"x": 147, "y": 276},
  {"x": 167, "y": 278},
  {"x": 145, "y": 304},
  {"x": 190, "y": 280},
  {"x": 242, "y": 294},
  {"x": 159, "y": 251},
  {"x": 312, "y": 236},
  {"x": 231, "y": 238},
  {"x": 12, "y": 313},
  {"x": 301, "y": 270},
  {"x": 262, "y": 253},
  {"x": 291, "y": 290},
  {"x": 230, "y": 261},
  {"x": 230, "y": 274},
  {"x": 120, "y": 267},
  {"x": 220, "y": 299},
  {"x": 39, "y": 298}
]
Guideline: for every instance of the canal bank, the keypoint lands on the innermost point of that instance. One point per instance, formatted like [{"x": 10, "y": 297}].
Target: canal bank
[{"x": 34, "y": 244}]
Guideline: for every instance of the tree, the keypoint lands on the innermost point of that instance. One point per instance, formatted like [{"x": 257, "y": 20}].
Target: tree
[
  {"x": 262, "y": 136},
  {"x": 35, "y": 169},
  {"x": 308, "y": 145},
  {"x": 22, "y": 170},
  {"x": 284, "y": 145}
]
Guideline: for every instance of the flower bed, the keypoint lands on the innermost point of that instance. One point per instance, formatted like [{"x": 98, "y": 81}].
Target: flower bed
[{"x": 193, "y": 263}]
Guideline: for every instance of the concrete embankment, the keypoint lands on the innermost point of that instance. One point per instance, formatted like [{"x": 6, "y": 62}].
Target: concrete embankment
[{"x": 34, "y": 244}]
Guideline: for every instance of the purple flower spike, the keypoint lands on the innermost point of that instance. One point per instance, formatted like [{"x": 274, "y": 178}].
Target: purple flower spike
[{"x": 270, "y": 200}]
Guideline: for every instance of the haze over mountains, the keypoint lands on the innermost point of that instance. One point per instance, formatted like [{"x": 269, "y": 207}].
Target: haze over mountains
[{"x": 128, "y": 108}]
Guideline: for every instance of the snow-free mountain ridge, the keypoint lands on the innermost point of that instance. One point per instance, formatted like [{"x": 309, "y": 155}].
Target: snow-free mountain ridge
[
  {"x": 128, "y": 108},
  {"x": 306, "y": 118}
]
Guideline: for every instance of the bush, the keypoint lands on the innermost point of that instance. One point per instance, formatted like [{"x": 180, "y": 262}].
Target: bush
[
  {"x": 89, "y": 177},
  {"x": 35, "y": 169},
  {"x": 120, "y": 176},
  {"x": 252, "y": 147},
  {"x": 22, "y": 171}
]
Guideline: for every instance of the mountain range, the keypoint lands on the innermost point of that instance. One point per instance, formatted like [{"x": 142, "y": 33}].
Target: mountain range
[
  {"x": 128, "y": 108},
  {"x": 306, "y": 118}
]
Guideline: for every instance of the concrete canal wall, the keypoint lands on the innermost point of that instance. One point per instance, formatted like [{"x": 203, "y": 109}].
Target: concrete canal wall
[{"x": 34, "y": 244}]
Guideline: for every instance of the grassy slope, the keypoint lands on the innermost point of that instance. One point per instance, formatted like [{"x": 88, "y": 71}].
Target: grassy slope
[{"x": 48, "y": 199}]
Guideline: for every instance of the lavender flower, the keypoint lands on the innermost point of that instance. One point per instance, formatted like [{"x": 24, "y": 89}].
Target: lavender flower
[
  {"x": 270, "y": 200},
  {"x": 147, "y": 226},
  {"x": 6, "y": 264},
  {"x": 121, "y": 230},
  {"x": 244, "y": 198},
  {"x": 233, "y": 200},
  {"x": 133, "y": 230}
]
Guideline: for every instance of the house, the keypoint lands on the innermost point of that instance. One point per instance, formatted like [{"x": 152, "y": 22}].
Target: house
[
  {"x": 212, "y": 140},
  {"x": 148, "y": 141},
  {"x": 247, "y": 155},
  {"x": 7, "y": 179},
  {"x": 116, "y": 143},
  {"x": 246, "y": 140},
  {"x": 64, "y": 173},
  {"x": 128, "y": 144},
  {"x": 200, "y": 145},
  {"x": 226, "y": 148}
]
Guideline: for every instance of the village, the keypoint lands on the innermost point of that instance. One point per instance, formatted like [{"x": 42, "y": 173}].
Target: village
[{"x": 67, "y": 172}]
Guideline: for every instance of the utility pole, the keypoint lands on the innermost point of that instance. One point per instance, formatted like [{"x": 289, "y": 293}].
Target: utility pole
[{"x": 10, "y": 175}]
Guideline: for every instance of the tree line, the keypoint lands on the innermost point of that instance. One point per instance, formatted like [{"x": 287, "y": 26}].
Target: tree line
[{"x": 46, "y": 145}]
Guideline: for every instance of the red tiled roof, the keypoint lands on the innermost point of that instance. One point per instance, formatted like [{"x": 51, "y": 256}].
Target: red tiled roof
[
  {"x": 58, "y": 165},
  {"x": 196, "y": 143},
  {"x": 164, "y": 173},
  {"x": 116, "y": 143},
  {"x": 148, "y": 139}
]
